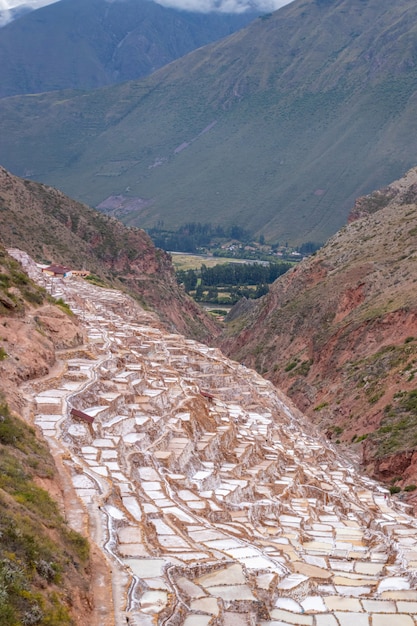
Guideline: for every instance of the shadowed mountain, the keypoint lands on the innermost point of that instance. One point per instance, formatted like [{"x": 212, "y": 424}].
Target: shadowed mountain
[
  {"x": 83, "y": 44},
  {"x": 278, "y": 128},
  {"x": 338, "y": 333},
  {"x": 53, "y": 228}
]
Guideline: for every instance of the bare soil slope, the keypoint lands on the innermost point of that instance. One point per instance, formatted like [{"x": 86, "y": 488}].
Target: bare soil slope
[
  {"x": 45, "y": 567},
  {"x": 338, "y": 333}
]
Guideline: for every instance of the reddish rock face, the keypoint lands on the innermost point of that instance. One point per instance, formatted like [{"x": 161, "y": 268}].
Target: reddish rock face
[
  {"x": 337, "y": 332},
  {"x": 30, "y": 343}
]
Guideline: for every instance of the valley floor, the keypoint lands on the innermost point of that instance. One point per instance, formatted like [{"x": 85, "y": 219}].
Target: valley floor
[{"x": 212, "y": 498}]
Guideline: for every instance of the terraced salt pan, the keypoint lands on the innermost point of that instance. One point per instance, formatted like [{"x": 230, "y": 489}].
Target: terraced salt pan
[
  {"x": 147, "y": 568},
  {"x": 131, "y": 505},
  {"x": 197, "y": 620},
  {"x": 254, "y": 443}
]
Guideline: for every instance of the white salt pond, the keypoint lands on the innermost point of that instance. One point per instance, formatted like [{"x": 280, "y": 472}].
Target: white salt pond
[
  {"x": 232, "y": 500},
  {"x": 147, "y": 568}
]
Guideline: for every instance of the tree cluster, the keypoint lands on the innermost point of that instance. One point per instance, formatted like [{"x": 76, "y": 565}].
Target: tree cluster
[
  {"x": 239, "y": 279},
  {"x": 232, "y": 274},
  {"x": 195, "y": 235}
]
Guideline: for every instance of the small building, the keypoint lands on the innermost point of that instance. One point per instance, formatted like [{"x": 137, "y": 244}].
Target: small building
[
  {"x": 84, "y": 417},
  {"x": 58, "y": 271},
  {"x": 81, "y": 273}
]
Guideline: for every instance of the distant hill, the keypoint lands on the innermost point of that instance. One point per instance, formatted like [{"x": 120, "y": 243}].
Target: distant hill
[
  {"x": 55, "y": 229},
  {"x": 83, "y": 44},
  {"x": 338, "y": 333},
  {"x": 277, "y": 128}
]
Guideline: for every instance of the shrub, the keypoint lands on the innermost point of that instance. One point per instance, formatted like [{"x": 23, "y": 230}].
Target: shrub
[
  {"x": 10, "y": 429},
  {"x": 410, "y": 488},
  {"x": 304, "y": 368},
  {"x": 290, "y": 366},
  {"x": 362, "y": 438},
  {"x": 79, "y": 543},
  {"x": 394, "y": 489},
  {"x": 321, "y": 406},
  {"x": 95, "y": 280},
  {"x": 34, "y": 296}
]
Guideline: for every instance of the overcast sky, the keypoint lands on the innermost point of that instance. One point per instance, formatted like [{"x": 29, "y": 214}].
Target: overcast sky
[{"x": 190, "y": 5}]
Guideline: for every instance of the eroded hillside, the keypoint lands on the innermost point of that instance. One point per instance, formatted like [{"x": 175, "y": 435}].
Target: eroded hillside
[
  {"x": 338, "y": 333},
  {"x": 45, "y": 566}
]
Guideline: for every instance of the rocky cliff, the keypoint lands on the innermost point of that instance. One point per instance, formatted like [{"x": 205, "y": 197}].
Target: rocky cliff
[
  {"x": 338, "y": 333},
  {"x": 53, "y": 228}
]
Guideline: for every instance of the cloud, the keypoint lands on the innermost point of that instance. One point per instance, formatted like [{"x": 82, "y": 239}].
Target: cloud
[
  {"x": 224, "y": 6},
  {"x": 8, "y": 7}
]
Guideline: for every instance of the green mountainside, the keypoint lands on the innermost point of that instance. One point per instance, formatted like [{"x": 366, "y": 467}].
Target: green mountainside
[
  {"x": 83, "y": 44},
  {"x": 278, "y": 127}
]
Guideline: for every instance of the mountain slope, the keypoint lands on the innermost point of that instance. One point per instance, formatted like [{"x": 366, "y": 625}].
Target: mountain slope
[
  {"x": 338, "y": 333},
  {"x": 45, "y": 567},
  {"x": 53, "y": 228},
  {"x": 279, "y": 127},
  {"x": 95, "y": 43}
]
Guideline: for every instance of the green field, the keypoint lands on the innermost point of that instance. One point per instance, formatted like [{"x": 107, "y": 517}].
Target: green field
[{"x": 184, "y": 261}]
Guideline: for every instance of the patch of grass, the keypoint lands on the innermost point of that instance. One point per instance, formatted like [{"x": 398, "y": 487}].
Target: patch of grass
[
  {"x": 33, "y": 296},
  {"x": 398, "y": 428},
  {"x": 290, "y": 366},
  {"x": 304, "y": 368},
  {"x": 374, "y": 397},
  {"x": 16, "y": 288},
  {"x": 95, "y": 280},
  {"x": 409, "y": 402},
  {"x": 321, "y": 406},
  {"x": 361, "y": 438},
  {"x": 64, "y": 306},
  {"x": 78, "y": 543},
  {"x": 37, "y": 549}
]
